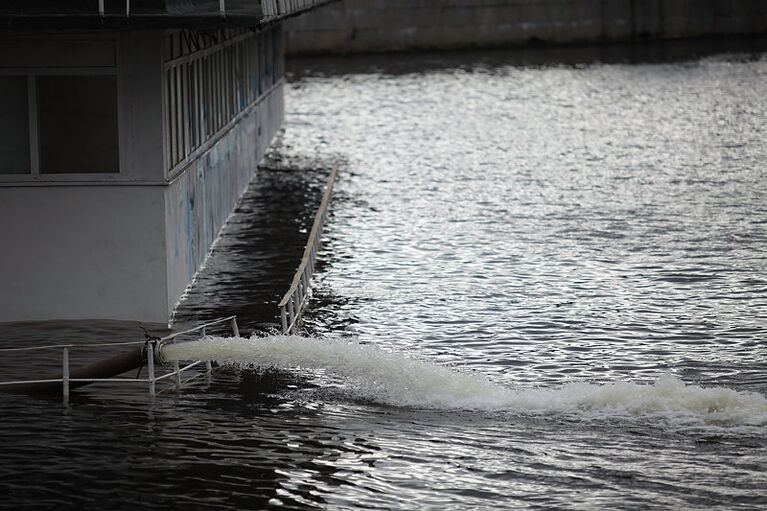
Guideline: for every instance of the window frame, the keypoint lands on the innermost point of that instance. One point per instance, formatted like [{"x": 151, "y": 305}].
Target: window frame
[
  {"x": 32, "y": 73},
  {"x": 222, "y": 98}
]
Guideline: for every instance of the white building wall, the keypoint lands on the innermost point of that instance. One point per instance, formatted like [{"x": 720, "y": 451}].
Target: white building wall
[{"x": 82, "y": 252}]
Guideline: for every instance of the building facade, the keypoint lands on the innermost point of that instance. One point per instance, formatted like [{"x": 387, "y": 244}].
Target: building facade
[{"x": 126, "y": 140}]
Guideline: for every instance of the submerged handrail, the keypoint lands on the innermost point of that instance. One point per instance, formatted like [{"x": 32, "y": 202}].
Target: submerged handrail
[
  {"x": 152, "y": 345},
  {"x": 292, "y": 303}
]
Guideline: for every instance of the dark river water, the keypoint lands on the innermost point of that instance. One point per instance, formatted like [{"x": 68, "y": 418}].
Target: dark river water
[{"x": 543, "y": 286}]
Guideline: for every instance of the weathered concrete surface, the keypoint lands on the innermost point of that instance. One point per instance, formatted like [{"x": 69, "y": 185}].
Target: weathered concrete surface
[{"x": 394, "y": 25}]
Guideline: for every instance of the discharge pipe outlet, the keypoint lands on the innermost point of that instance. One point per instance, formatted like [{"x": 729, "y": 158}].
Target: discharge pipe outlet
[{"x": 107, "y": 368}]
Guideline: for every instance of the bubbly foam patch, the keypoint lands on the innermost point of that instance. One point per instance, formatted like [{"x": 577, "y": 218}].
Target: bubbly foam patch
[{"x": 399, "y": 380}]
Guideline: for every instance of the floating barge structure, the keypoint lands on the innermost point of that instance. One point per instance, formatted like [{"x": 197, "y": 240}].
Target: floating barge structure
[{"x": 128, "y": 131}]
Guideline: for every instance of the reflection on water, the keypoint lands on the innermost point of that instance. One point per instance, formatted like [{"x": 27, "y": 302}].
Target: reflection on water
[{"x": 592, "y": 233}]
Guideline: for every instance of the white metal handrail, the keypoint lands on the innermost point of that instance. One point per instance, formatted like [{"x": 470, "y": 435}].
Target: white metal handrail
[
  {"x": 151, "y": 378},
  {"x": 292, "y": 304}
]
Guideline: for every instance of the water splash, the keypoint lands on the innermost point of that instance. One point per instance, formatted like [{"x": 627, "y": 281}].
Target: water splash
[{"x": 397, "y": 379}]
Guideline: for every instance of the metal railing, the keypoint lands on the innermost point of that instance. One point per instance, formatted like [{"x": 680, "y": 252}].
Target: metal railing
[
  {"x": 264, "y": 8},
  {"x": 293, "y": 302},
  {"x": 151, "y": 347}
]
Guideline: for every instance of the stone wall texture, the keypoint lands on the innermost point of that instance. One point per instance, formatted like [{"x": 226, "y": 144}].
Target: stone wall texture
[{"x": 352, "y": 26}]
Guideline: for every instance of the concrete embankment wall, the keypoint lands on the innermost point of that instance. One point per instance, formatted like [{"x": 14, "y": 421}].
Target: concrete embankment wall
[{"x": 351, "y": 26}]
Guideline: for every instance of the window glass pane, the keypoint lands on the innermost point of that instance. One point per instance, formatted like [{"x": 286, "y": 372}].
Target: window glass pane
[
  {"x": 77, "y": 124},
  {"x": 14, "y": 125}
]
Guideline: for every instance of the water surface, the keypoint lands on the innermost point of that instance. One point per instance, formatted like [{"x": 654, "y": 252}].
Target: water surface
[{"x": 576, "y": 250}]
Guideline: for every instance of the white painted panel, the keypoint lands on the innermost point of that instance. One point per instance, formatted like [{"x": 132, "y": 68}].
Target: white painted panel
[{"x": 82, "y": 252}]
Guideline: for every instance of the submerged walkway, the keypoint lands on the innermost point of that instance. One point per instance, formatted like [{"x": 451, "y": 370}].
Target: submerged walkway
[{"x": 253, "y": 262}]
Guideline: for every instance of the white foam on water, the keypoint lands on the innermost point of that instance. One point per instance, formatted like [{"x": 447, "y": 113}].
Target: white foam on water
[{"x": 396, "y": 379}]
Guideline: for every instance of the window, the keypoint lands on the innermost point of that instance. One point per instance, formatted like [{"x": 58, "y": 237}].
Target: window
[
  {"x": 77, "y": 124},
  {"x": 58, "y": 124},
  {"x": 14, "y": 125},
  {"x": 211, "y": 78}
]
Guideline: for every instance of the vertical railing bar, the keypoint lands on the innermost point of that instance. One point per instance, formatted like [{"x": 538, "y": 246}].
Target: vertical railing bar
[
  {"x": 65, "y": 375},
  {"x": 291, "y": 314},
  {"x": 177, "y": 379},
  {"x": 283, "y": 317},
  {"x": 208, "y": 365},
  {"x": 235, "y": 329},
  {"x": 300, "y": 294},
  {"x": 101, "y": 8},
  {"x": 150, "y": 367}
]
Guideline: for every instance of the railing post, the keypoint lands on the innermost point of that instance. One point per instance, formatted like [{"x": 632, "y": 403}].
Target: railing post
[
  {"x": 284, "y": 317},
  {"x": 150, "y": 367},
  {"x": 65, "y": 375},
  {"x": 234, "y": 327},
  {"x": 177, "y": 379},
  {"x": 291, "y": 314},
  {"x": 300, "y": 303}
]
